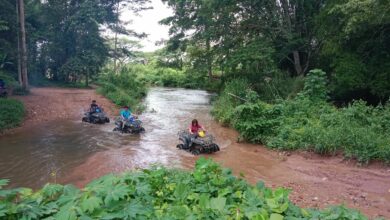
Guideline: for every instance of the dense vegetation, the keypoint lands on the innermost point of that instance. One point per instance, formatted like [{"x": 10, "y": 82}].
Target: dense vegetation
[
  {"x": 280, "y": 41},
  {"x": 308, "y": 122},
  {"x": 157, "y": 71},
  {"x": 11, "y": 113},
  {"x": 264, "y": 51},
  {"x": 123, "y": 88},
  {"x": 64, "y": 38},
  {"x": 208, "y": 192}
]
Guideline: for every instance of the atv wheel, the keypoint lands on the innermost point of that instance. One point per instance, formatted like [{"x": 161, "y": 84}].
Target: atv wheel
[
  {"x": 96, "y": 121},
  {"x": 84, "y": 119},
  {"x": 107, "y": 120},
  {"x": 214, "y": 148},
  {"x": 180, "y": 146},
  {"x": 195, "y": 152}
]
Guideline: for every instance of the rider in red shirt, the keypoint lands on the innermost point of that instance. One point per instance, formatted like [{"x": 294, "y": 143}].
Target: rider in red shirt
[{"x": 195, "y": 127}]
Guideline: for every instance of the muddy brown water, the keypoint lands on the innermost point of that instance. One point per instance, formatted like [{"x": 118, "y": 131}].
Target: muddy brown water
[{"x": 74, "y": 152}]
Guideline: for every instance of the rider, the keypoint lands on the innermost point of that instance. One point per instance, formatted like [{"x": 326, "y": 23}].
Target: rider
[
  {"x": 196, "y": 129},
  {"x": 126, "y": 115},
  {"x": 94, "y": 107}
]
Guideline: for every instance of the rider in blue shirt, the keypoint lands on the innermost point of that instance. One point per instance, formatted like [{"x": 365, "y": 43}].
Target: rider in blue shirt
[
  {"x": 125, "y": 112},
  {"x": 126, "y": 116}
]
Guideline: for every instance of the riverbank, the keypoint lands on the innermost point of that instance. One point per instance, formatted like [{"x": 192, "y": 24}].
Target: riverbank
[{"x": 50, "y": 104}]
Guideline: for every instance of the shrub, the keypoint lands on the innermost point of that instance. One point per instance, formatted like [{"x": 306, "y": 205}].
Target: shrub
[
  {"x": 11, "y": 113},
  {"x": 208, "y": 192},
  {"x": 8, "y": 79},
  {"x": 308, "y": 122},
  {"x": 223, "y": 108},
  {"x": 122, "y": 89}
]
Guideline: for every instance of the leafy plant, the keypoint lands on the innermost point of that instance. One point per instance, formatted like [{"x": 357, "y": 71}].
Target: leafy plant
[
  {"x": 123, "y": 88},
  {"x": 208, "y": 192},
  {"x": 11, "y": 113}
]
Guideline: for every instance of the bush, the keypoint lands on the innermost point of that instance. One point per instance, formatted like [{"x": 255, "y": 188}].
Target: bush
[
  {"x": 8, "y": 79},
  {"x": 208, "y": 192},
  {"x": 223, "y": 108},
  {"x": 308, "y": 122},
  {"x": 123, "y": 89},
  {"x": 11, "y": 113}
]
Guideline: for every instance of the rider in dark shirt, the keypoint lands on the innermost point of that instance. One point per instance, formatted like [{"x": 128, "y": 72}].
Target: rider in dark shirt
[{"x": 94, "y": 107}]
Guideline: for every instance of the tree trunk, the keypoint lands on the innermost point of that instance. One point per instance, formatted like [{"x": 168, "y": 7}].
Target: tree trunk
[
  {"x": 287, "y": 17},
  {"x": 297, "y": 62},
  {"x": 23, "y": 51},
  {"x": 209, "y": 60},
  {"x": 87, "y": 79},
  {"x": 20, "y": 80},
  {"x": 116, "y": 41}
]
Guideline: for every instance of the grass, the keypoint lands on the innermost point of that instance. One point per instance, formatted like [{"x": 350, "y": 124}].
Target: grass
[{"x": 11, "y": 113}]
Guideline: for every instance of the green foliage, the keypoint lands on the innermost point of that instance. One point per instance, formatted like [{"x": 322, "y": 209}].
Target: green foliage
[
  {"x": 315, "y": 87},
  {"x": 223, "y": 107},
  {"x": 64, "y": 40},
  {"x": 308, "y": 122},
  {"x": 159, "y": 71},
  {"x": 8, "y": 79},
  {"x": 208, "y": 192},
  {"x": 123, "y": 88},
  {"x": 356, "y": 44},
  {"x": 11, "y": 113}
]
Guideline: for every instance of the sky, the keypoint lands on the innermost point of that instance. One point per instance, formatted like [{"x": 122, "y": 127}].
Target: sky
[{"x": 147, "y": 22}]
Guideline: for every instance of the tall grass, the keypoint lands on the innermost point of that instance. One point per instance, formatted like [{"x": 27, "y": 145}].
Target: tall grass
[{"x": 11, "y": 113}]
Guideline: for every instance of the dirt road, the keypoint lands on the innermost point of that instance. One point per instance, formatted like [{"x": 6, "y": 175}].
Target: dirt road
[{"x": 47, "y": 104}]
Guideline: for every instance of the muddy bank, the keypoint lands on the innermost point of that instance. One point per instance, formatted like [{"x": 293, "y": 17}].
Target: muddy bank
[{"x": 48, "y": 104}]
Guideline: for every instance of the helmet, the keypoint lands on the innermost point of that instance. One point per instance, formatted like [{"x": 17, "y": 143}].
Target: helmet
[{"x": 201, "y": 133}]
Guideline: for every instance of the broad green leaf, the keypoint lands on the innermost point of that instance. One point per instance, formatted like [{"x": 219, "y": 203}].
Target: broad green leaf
[
  {"x": 67, "y": 212},
  {"x": 218, "y": 203},
  {"x": 91, "y": 203},
  {"x": 116, "y": 193},
  {"x": 3, "y": 182},
  {"x": 275, "y": 216},
  {"x": 3, "y": 210},
  {"x": 181, "y": 191},
  {"x": 204, "y": 201}
]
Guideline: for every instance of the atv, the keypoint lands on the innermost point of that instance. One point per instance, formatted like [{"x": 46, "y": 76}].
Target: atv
[
  {"x": 197, "y": 145},
  {"x": 130, "y": 127},
  {"x": 98, "y": 117}
]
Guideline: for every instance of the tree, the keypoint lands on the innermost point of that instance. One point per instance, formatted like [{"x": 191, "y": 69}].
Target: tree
[
  {"x": 22, "y": 47},
  {"x": 356, "y": 48}
]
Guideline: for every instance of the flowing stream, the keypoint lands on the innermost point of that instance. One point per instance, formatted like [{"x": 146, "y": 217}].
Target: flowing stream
[{"x": 72, "y": 151}]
